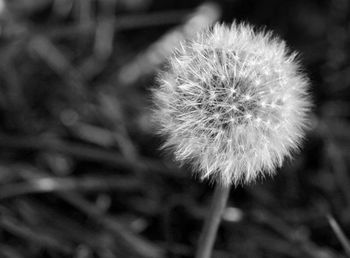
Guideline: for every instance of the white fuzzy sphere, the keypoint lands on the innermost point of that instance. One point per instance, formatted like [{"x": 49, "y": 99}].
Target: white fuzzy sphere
[{"x": 233, "y": 103}]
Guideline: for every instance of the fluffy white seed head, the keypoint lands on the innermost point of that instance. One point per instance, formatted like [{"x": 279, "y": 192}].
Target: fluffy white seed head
[{"x": 233, "y": 103}]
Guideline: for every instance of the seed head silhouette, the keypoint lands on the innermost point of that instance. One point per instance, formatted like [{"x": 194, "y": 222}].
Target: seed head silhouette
[{"x": 232, "y": 102}]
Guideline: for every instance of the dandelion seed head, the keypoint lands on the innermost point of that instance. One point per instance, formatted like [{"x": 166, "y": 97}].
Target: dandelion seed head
[{"x": 232, "y": 102}]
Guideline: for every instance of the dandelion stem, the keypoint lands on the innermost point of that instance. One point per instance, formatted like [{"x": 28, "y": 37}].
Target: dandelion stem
[{"x": 212, "y": 222}]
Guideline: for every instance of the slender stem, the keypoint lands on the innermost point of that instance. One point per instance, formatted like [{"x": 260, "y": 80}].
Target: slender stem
[{"x": 212, "y": 222}]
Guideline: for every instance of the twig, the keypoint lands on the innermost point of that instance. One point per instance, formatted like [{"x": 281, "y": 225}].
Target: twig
[
  {"x": 83, "y": 10},
  {"x": 208, "y": 235},
  {"x": 84, "y": 152},
  {"x": 139, "y": 245},
  {"x": 136, "y": 244},
  {"x": 303, "y": 241},
  {"x": 122, "y": 22},
  {"x": 58, "y": 62},
  {"x": 72, "y": 230},
  {"x": 18, "y": 229},
  {"x": 9, "y": 252},
  {"x": 104, "y": 35},
  {"x": 51, "y": 184},
  {"x": 339, "y": 234},
  {"x": 145, "y": 63}
]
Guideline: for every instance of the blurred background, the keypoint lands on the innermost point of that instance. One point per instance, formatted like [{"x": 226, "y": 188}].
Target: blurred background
[{"x": 81, "y": 174}]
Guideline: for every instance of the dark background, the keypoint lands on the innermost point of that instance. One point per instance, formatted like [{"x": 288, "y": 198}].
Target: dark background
[{"x": 81, "y": 174}]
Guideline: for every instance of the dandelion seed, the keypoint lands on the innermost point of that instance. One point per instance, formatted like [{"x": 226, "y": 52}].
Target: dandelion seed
[
  {"x": 247, "y": 97},
  {"x": 246, "y": 90},
  {"x": 233, "y": 91},
  {"x": 248, "y": 116},
  {"x": 257, "y": 82}
]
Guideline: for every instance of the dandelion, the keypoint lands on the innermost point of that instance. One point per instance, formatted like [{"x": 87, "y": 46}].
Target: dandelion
[{"x": 233, "y": 103}]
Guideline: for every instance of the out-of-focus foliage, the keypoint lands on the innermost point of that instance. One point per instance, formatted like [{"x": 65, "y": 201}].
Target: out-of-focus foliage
[{"x": 80, "y": 171}]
